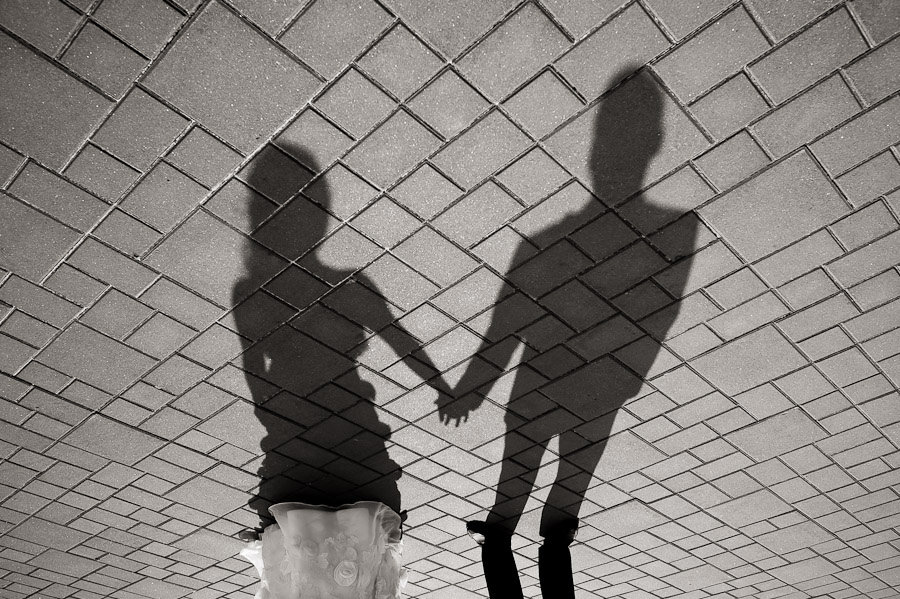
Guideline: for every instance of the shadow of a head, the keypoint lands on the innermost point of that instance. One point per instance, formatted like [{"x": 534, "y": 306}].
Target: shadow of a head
[
  {"x": 300, "y": 220},
  {"x": 627, "y": 135}
]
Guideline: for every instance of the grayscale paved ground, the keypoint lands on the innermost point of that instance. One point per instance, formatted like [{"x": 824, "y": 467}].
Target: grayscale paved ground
[{"x": 169, "y": 298}]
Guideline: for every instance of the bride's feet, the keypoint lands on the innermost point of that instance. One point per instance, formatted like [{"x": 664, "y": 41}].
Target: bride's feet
[{"x": 481, "y": 532}]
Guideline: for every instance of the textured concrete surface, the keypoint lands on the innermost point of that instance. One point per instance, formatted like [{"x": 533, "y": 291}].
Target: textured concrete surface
[{"x": 236, "y": 236}]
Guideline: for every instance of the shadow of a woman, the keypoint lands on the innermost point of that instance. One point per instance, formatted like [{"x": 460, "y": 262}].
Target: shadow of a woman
[
  {"x": 627, "y": 134},
  {"x": 324, "y": 443}
]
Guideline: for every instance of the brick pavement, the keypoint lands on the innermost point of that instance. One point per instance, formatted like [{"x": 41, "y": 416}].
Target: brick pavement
[{"x": 722, "y": 307}]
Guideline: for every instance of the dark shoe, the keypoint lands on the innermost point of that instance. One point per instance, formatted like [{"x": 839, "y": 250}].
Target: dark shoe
[
  {"x": 249, "y": 535},
  {"x": 482, "y": 531}
]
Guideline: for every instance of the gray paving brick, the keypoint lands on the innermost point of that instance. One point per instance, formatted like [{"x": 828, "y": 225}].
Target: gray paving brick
[
  {"x": 677, "y": 193},
  {"x": 386, "y": 223},
  {"x": 355, "y": 103},
  {"x": 513, "y": 52},
  {"x": 204, "y": 157},
  {"x": 392, "y": 150},
  {"x": 707, "y": 265},
  {"x": 879, "y": 18},
  {"x": 577, "y": 205},
  {"x": 730, "y": 106},
  {"x": 9, "y": 164},
  {"x": 213, "y": 347},
  {"x": 876, "y": 290},
  {"x": 748, "y": 316},
  {"x": 176, "y": 375},
  {"x": 159, "y": 336},
  {"x": 718, "y": 52},
  {"x": 827, "y": 45},
  {"x": 37, "y": 301},
  {"x": 101, "y": 174},
  {"x": 345, "y": 252},
  {"x": 874, "y": 322},
  {"x": 748, "y": 361},
  {"x": 736, "y": 288},
  {"x": 400, "y": 62},
  {"x": 533, "y": 176},
  {"x": 784, "y": 18},
  {"x": 111, "y": 267},
  {"x": 67, "y": 111},
  {"x": 573, "y": 143},
  {"x": 484, "y": 148},
  {"x": 866, "y": 261},
  {"x": 32, "y": 243},
  {"x": 871, "y": 178},
  {"x": 67, "y": 564},
  {"x": 139, "y": 130},
  {"x": 807, "y": 116},
  {"x": 95, "y": 359},
  {"x": 808, "y": 289},
  {"x": 747, "y": 215},
  {"x": 126, "y": 234},
  {"x": 732, "y": 160},
  {"x": 847, "y": 367},
  {"x": 240, "y": 206},
  {"x": 200, "y": 265},
  {"x": 875, "y": 74},
  {"x": 434, "y": 256},
  {"x": 477, "y": 215},
  {"x": 46, "y": 24},
  {"x": 163, "y": 197},
  {"x": 581, "y": 16},
  {"x": 342, "y": 192},
  {"x": 543, "y": 104},
  {"x": 27, "y": 329},
  {"x": 313, "y": 141},
  {"x": 57, "y": 197},
  {"x": 699, "y": 577},
  {"x": 448, "y": 103},
  {"x": 312, "y": 36},
  {"x": 103, "y": 60},
  {"x": 605, "y": 57},
  {"x": 865, "y": 135},
  {"x": 451, "y": 26},
  {"x": 115, "y": 314},
  {"x": 145, "y": 25},
  {"x": 239, "y": 95},
  {"x": 815, "y": 319},
  {"x": 180, "y": 303},
  {"x": 799, "y": 258},
  {"x": 683, "y": 20}
]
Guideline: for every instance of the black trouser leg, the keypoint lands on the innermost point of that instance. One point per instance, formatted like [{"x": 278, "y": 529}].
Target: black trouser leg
[
  {"x": 555, "y": 570},
  {"x": 500, "y": 570}
]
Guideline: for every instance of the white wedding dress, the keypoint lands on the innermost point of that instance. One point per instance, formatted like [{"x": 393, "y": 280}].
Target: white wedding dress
[{"x": 317, "y": 552}]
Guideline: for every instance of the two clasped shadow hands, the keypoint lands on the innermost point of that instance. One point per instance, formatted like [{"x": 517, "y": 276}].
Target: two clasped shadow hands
[{"x": 455, "y": 403}]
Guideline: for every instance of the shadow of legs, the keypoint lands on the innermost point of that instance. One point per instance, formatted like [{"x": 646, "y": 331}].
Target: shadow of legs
[
  {"x": 500, "y": 571},
  {"x": 555, "y": 570}
]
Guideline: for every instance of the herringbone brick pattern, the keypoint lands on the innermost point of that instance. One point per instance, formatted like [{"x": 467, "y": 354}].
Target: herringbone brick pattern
[{"x": 236, "y": 235}]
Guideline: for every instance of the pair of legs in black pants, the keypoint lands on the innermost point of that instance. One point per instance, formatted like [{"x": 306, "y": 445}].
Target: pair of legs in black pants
[
  {"x": 501, "y": 575},
  {"x": 559, "y": 520}
]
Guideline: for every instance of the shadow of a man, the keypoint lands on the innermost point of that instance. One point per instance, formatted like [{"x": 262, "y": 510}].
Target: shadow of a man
[
  {"x": 324, "y": 443},
  {"x": 582, "y": 273}
]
